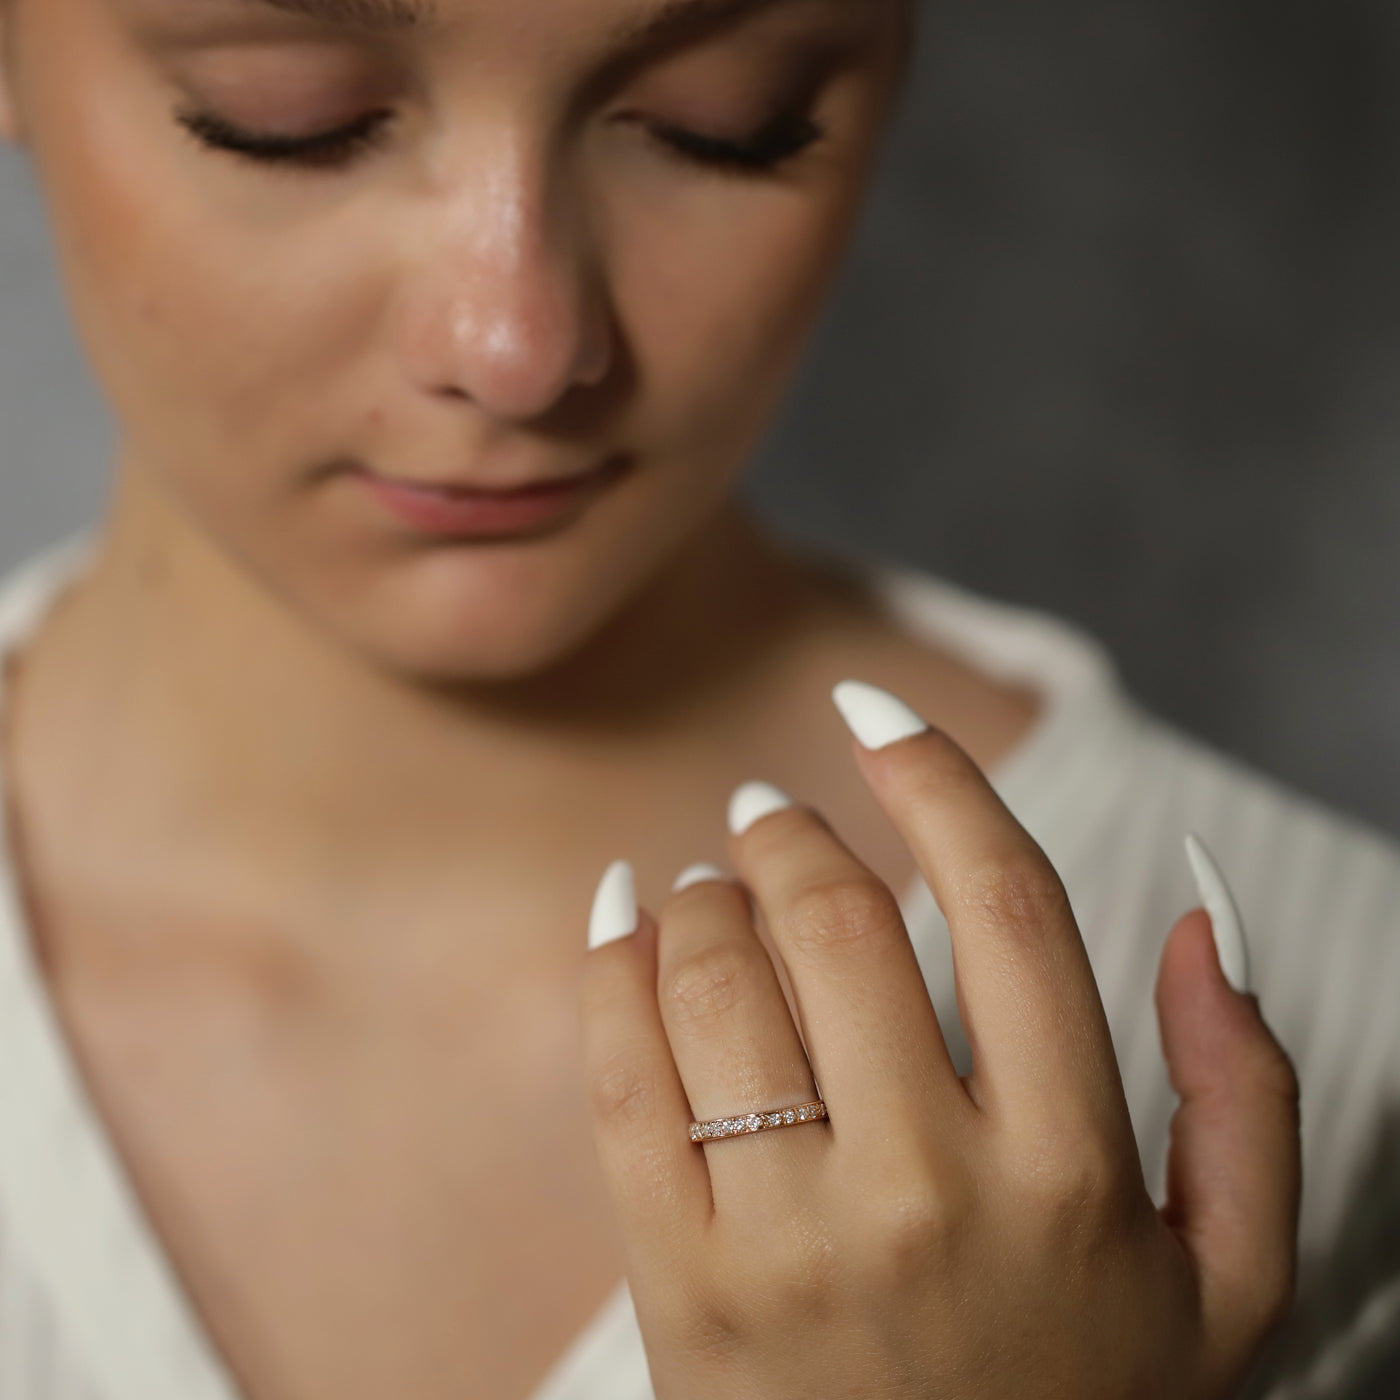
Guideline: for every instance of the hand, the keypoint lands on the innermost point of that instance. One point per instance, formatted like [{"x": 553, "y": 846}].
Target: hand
[{"x": 935, "y": 1237}]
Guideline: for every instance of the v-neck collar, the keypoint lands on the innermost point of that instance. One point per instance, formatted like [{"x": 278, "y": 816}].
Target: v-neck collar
[{"x": 66, "y": 1195}]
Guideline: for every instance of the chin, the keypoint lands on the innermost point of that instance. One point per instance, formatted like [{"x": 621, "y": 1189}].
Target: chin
[
  {"x": 497, "y": 651},
  {"x": 490, "y": 614},
  {"x": 442, "y": 612}
]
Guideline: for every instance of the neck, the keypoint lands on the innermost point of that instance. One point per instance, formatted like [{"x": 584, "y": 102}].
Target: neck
[{"x": 234, "y": 702}]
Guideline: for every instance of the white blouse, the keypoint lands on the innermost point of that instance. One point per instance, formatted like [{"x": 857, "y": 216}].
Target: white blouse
[{"x": 90, "y": 1305}]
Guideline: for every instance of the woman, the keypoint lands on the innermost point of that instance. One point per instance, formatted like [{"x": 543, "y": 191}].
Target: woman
[{"x": 438, "y": 336}]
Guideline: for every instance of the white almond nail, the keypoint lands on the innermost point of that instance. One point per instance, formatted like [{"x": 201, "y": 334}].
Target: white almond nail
[
  {"x": 876, "y": 717},
  {"x": 696, "y": 874},
  {"x": 1225, "y": 921},
  {"x": 614, "y": 905},
  {"x": 752, "y": 802}
]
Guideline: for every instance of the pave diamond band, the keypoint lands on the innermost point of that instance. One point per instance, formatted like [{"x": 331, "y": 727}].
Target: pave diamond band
[{"x": 756, "y": 1122}]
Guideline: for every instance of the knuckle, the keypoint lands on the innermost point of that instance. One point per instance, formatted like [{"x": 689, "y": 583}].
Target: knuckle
[
  {"x": 715, "y": 1327},
  {"x": 1015, "y": 890},
  {"x": 906, "y": 1224},
  {"x": 707, "y": 984},
  {"x": 838, "y": 914},
  {"x": 800, "y": 1275},
  {"x": 621, "y": 1092},
  {"x": 1076, "y": 1181},
  {"x": 812, "y": 1263},
  {"x": 1276, "y": 1076}
]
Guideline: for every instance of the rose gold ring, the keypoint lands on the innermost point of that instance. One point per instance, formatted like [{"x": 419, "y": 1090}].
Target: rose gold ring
[{"x": 756, "y": 1122}]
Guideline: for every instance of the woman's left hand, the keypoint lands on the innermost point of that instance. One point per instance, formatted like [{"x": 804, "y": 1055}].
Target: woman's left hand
[{"x": 934, "y": 1237}]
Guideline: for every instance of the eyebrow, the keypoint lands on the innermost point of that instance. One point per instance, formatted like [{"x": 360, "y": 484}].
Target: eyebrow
[
  {"x": 360, "y": 14},
  {"x": 671, "y": 22},
  {"x": 674, "y": 21}
]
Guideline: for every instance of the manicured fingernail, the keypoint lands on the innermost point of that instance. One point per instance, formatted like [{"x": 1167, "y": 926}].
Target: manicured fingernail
[
  {"x": 1230, "y": 946},
  {"x": 752, "y": 801},
  {"x": 614, "y": 906},
  {"x": 694, "y": 875},
  {"x": 876, "y": 717}
]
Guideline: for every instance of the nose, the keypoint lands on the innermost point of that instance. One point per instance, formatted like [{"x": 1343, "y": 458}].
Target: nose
[{"x": 505, "y": 303}]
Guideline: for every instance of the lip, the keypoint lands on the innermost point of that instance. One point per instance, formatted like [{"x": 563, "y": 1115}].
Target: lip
[{"x": 470, "y": 512}]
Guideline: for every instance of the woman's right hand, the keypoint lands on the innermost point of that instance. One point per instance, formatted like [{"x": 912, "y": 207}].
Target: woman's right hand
[{"x": 977, "y": 1238}]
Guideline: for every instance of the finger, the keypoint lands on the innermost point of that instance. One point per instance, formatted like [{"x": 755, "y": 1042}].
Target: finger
[
  {"x": 870, "y": 1029},
  {"x": 640, "y": 1115},
  {"x": 734, "y": 1044},
  {"x": 1043, "y": 1055},
  {"x": 1234, "y": 1170}
]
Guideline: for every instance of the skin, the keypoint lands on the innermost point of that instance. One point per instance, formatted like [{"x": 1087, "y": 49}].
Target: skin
[
  {"x": 933, "y": 1235},
  {"x": 286, "y": 775}
]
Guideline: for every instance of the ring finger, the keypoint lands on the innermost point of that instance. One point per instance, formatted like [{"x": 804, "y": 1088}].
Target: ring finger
[{"x": 733, "y": 1039}]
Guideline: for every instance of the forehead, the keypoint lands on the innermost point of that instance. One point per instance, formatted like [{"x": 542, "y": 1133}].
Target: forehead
[{"x": 610, "y": 37}]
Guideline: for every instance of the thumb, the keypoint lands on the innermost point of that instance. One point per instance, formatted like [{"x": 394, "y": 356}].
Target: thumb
[{"x": 1234, "y": 1172}]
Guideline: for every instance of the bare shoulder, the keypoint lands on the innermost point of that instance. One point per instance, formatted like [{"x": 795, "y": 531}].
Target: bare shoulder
[{"x": 860, "y": 634}]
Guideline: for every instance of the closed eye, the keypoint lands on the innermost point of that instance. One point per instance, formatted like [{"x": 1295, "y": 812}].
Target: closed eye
[
  {"x": 780, "y": 140},
  {"x": 322, "y": 150}
]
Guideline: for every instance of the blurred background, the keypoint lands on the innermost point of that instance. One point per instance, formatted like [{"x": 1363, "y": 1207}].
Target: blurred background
[{"x": 1119, "y": 339}]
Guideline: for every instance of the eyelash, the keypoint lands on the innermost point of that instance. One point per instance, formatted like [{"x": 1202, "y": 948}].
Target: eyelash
[
  {"x": 326, "y": 150},
  {"x": 784, "y": 138}
]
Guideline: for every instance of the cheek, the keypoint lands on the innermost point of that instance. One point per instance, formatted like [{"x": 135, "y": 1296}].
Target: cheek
[
  {"x": 718, "y": 292},
  {"x": 213, "y": 326}
]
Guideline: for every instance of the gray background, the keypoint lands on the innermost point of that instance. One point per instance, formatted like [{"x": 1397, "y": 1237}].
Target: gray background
[{"x": 1119, "y": 338}]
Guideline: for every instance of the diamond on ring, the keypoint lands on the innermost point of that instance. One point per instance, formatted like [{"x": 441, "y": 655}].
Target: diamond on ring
[{"x": 756, "y": 1122}]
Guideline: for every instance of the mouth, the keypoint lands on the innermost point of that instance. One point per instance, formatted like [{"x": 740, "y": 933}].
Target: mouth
[{"x": 460, "y": 511}]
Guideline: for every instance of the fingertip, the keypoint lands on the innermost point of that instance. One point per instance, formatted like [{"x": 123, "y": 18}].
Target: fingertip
[
  {"x": 1234, "y": 1166},
  {"x": 1188, "y": 955},
  {"x": 614, "y": 913},
  {"x": 875, "y": 717},
  {"x": 696, "y": 875},
  {"x": 751, "y": 802},
  {"x": 1232, "y": 948},
  {"x": 1208, "y": 1030},
  {"x": 1195, "y": 941}
]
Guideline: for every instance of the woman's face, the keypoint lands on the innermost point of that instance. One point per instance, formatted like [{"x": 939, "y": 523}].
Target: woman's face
[{"x": 321, "y": 251}]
